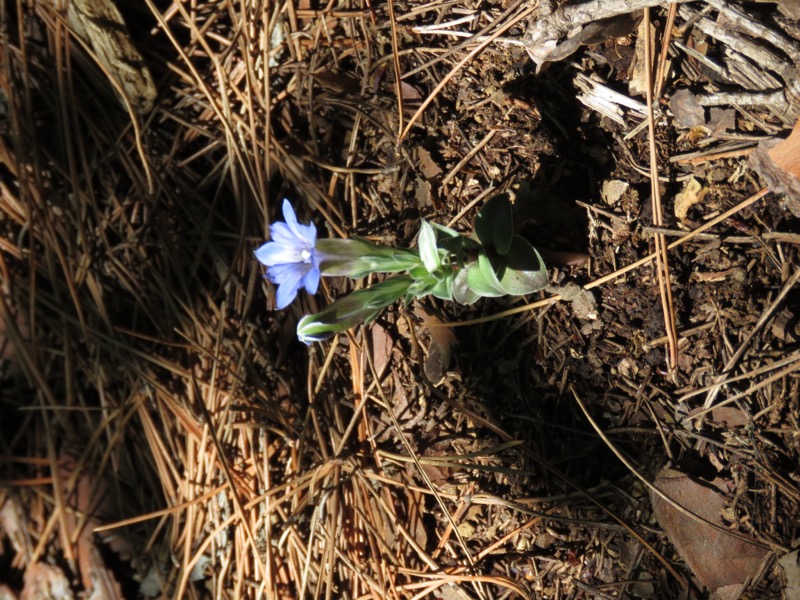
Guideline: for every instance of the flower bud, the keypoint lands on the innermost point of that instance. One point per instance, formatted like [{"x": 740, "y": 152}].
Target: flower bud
[
  {"x": 356, "y": 258},
  {"x": 359, "y": 307}
]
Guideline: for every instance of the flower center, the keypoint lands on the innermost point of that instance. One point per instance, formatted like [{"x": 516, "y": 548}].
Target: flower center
[{"x": 305, "y": 255}]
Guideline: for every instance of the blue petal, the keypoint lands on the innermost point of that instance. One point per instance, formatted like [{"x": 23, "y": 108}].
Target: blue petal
[
  {"x": 284, "y": 296},
  {"x": 311, "y": 281},
  {"x": 307, "y": 233},
  {"x": 273, "y": 253},
  {"x": 287, "y": 289},
  {"x": 282, "y": 234},
  {"x": 288, "y": 213},
  {"x": 288, "y": 272}
]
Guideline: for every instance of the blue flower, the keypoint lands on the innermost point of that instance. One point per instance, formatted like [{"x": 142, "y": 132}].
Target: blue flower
[{"x": 291, "y": 258}]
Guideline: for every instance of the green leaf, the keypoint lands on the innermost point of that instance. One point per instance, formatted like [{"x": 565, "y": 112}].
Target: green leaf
[
  {"x": 461, "y": 291},
  {"x": 428, "y": 251},
  {"x": 521, "y": 271},
  {"x": 362, "y": 306},
  {"x": 482, "y": 279},
  {"x": 459, "y": 247},
  {"x": 422, "y": 287},
  {"x": 494, "y": 224},
  {"x": 446, "y": 231},
  {"x": 444, "y": 288}
]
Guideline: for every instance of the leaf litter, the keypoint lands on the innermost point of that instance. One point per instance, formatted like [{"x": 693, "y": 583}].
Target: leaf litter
[{"x": 137, "y": 329}]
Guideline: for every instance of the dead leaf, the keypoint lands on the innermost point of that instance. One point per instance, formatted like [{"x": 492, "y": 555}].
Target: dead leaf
[
  {"x": 786, "y": 326},
  {"x": 410, "y": 93},
  {"x": 430, "y": 169},
  {"x": 46, "y": 582},
  {"x": 381, "y": 348},
  {"x": 721, "y": 120},
  {"x": 687, "y": 110},
  {"x": 440, "y": 351},
  {"x": 424, "y": 193},
  {"x": 612, "y": 190},
  {"x": 790, "y": 563},
  {"x": 337, "y": 83},
  {"x": 12, "y": 526},
  {"x": 729, "y": 416},
  {"x": 778, "y": 163},
  {"x": 6, "y": 593},
  {"x": 692, "y": 193},
  {"x": 466, "y": 529},
  {"x": 717, "y": 559},
  {"x": 584, "y": 304}
]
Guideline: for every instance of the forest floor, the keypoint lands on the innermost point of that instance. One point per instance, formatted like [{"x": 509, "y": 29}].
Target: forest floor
[{"x": 633, "y": 431}]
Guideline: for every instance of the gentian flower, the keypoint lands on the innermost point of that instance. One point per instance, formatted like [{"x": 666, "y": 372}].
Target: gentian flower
[{"x": 291, "y": 258}]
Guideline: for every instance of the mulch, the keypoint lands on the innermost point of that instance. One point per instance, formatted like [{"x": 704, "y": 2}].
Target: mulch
[{"x": 632, "y": 431}]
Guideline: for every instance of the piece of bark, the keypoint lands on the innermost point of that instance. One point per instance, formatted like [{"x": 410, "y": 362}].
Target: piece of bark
[
  {"x": 100, "y": 23},
  {"x": 553, "y": 24},
  {"x": 790, "y": 8},
  {"x": 778, "y": 163}
]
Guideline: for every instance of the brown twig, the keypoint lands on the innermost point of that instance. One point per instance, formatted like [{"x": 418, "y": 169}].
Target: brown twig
[{"x": 662, "y": 260}]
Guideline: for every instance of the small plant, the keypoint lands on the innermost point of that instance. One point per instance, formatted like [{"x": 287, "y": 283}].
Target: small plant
[{"x": 493, "y": 262}]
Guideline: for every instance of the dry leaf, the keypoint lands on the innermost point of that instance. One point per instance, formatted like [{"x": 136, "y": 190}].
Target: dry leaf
[
  {"x": 786, "y": 157},
  {"x": 12, "y": 526},
  {"x": 6, "y": 593},
  {"x": 424, "y": 193},
  {"x": 687, "y": 110},
  {"x": 430, "y": 169},
  {"x": 410, "y": 93},
  {"x": 46, "y": 582},
  {"x": 786, "y": 326},
  {"x": 612, "y": 190},
  {"x": 778, "y": 163},
  {"x": 717, "y": 559},
  {"x": 729, "y": 416},
  {"x": 583, "y": 302},
  {"x": 381, "y": 348},
  {"x": 721, "y": 120},
  {"x": 692, "y": 193},
  {"x": 440, "y": 351},
  {"x": 790, "y": 563},
  {"x": 337, "y": 83}
]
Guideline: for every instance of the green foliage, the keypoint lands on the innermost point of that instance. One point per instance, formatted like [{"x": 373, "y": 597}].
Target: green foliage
[
  {"x": 494, "y": 224},
  {"x": 447, "y": 264}
]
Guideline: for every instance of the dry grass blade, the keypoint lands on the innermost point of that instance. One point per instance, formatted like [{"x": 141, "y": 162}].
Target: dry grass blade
[
  {"x": 649, "y": 485},
  {"x": 154, "y": 407},
  {"x": 397, "y": 73},
  {"x": 663, "y": 56},
  {"x": 662, "y": 256},
  {"x": 762, "y": 320},
  {"x": 464, "y": 61}
]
